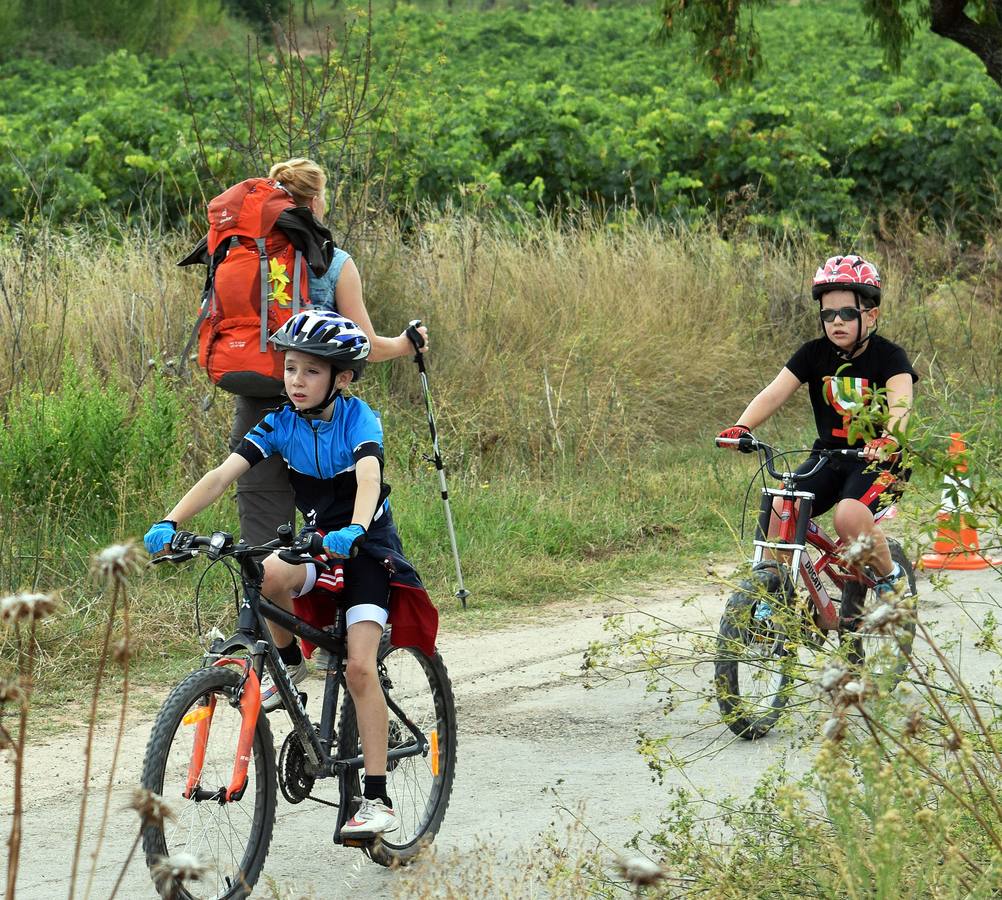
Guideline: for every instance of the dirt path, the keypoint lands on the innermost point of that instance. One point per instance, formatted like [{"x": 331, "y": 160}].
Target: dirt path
[{"x": 527, "y": 723}]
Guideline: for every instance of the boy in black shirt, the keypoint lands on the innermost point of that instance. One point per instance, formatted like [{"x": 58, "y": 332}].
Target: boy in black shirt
[{"x": 842, "y": 370}]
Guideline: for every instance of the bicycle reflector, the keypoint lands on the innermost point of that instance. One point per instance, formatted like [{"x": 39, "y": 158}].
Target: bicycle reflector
[
  {"x": 433, "y": 740},
  {"x": 196, "y": 715}
]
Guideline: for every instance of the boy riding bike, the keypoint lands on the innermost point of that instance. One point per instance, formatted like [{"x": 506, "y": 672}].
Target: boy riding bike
[
  {"x": 333, "y": 446},
  {"x": 843, "y": 369}
]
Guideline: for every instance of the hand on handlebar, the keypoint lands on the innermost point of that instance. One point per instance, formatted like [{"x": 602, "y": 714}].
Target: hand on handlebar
[
  {"x": 880, "y": 449},
  {"x": 735, "y": 433},
  {"x": 341, "y": 543},
  {"x": 159, "y": 537}
]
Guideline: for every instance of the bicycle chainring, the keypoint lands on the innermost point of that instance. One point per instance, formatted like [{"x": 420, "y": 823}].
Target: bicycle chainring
[{"x": 296, "y": 783}]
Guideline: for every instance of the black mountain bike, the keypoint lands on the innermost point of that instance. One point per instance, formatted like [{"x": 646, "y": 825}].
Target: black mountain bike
[
  {"x": 767, "y": 619},
  {"x": 212, "y": 758}
]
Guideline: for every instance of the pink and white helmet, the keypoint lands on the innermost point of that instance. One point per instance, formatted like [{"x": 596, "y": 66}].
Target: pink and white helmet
[{"x": 848, "y": 273}]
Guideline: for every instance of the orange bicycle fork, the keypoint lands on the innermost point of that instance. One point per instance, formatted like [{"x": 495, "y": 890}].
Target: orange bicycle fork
[{"x": 201, "y": 717}]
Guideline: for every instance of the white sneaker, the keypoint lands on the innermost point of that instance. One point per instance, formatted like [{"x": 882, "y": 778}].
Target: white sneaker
[
  {"x": 270, "y": 697},
  {"x": 373, "y": 817},
  {"x": 322, "y": 660}
]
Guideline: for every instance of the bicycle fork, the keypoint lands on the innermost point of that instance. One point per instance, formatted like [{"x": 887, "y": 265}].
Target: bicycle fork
[
  {"x": 792, "y": 539},
  {"x": 250, "y": 709}
]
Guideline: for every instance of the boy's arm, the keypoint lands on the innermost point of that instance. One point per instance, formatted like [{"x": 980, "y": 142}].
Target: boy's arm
[
  {"x": 770, "y": 398},
  {"x": 370, "y": 482},
  {"x": 209, "y": 488},
  {"x": 899, "y": 402},
  {"x": 368, "y": 475}
]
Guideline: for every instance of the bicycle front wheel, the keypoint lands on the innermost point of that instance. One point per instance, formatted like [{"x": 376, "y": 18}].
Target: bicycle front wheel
[
  {"x": 419, "y": 785},
  {"x": 230, "y": 840},
  {"x": 753, "y": 670}
]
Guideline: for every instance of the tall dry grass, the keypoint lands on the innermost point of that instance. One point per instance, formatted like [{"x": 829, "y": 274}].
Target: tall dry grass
[
  {"x": 574, "y": 367},
  {"x": 548, "y": 338}
]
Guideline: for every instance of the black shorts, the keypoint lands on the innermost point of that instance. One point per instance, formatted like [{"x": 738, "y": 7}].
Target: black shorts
[
  {"x": 366, "y": 588},
  {"x": 366, "y": 580},
  {"x": 876, "y": 486}
]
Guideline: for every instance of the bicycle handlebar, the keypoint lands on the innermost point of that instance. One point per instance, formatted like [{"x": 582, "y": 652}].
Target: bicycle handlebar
[
  {"x": 306, "y": 548},
  {"x": 748, "y": 443}
]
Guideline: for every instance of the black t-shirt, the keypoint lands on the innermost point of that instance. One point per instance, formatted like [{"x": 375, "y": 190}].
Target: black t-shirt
[{"x": 839, "y": 387}]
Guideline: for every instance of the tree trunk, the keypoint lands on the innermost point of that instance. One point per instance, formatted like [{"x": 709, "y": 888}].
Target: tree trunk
[{"x": 985, "y": 41}]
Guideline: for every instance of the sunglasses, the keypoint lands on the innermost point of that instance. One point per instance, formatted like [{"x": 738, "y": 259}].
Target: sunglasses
[{"x": 846, "y": 314}]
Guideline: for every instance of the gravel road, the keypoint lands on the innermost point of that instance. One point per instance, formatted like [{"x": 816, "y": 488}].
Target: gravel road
[{"x": 527, "y": 724}]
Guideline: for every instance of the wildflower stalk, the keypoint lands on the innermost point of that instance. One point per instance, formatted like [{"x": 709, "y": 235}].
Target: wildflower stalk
[
  {"x": 26, "y": 664},
  {"x": 125, "y": 865},
  {"x": 964, "y": 692},
  {"x": 872, "y": 724},
  {"x": 98, "y": 677},
  {"x": 958, "y": 735},
  {"x": 121, "y": 594}
]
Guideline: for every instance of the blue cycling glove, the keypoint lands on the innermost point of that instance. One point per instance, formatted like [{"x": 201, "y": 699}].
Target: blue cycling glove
[
  {"x": 159, "y": 536},
  {"x": 339, "y": 543}
]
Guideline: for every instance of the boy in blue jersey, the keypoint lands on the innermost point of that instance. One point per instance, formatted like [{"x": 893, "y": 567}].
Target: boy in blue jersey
[{"x": 333, "y": 446}]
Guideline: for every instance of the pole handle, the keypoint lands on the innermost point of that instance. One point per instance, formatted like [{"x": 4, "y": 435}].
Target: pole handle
[{"x": 417, "y": 339}]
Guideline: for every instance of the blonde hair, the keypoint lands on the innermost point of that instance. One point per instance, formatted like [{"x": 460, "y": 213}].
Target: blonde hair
[{"x": 303, "y": 178}]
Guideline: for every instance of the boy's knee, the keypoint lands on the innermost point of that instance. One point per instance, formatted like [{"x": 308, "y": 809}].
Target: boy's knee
[
  {"x": 851, "y": 515},
  {"x": 281, "y": 580},
  {"x": 359, "y": 674}
]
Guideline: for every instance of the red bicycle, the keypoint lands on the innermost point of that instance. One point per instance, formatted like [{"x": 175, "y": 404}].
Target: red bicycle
[{"x": 767, "y": 619}]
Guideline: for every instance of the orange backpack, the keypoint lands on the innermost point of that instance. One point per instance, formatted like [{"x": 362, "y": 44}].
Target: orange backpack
[{"x": 257, "y": 250}]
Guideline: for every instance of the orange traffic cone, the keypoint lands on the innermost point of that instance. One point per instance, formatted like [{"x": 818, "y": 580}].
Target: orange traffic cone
[{"x": 956, "y": 548}]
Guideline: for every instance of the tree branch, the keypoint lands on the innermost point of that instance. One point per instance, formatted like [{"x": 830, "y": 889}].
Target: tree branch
[{"x": 983, "y": 39}]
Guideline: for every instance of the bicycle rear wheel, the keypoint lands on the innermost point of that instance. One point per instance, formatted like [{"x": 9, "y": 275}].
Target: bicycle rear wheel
[
  {"x": 230, "y": 839},
  {"x": 753, "y": 670},
  {"x": 420, "y": 785},
  {"x": 884, "y": 655}
]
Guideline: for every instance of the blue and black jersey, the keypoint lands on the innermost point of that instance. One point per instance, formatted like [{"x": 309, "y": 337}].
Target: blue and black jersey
[{"x": 321, "y": 457}]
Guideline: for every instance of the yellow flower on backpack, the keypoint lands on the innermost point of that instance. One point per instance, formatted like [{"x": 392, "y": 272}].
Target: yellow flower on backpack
[{"x": 278, "y": 279}]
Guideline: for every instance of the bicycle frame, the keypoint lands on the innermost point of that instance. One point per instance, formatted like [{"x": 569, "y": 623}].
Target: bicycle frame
[
  {"x": 797, "y": 530},
  {"x": 320, "y": 747}
]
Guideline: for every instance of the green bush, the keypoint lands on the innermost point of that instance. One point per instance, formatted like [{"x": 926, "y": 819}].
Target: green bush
[
  {"x": 86, "y": 448},
  {"x": 548, "y": 106}
]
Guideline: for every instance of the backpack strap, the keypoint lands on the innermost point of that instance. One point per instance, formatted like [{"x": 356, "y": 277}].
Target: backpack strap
[
  {"x": 208, "y": 298},
  {"x": 297, "y": 272},
  {"x": 263, "y": 254}
]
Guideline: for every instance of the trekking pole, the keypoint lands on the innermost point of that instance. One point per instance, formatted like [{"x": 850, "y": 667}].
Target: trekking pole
[{"x": 418, "y": 341}]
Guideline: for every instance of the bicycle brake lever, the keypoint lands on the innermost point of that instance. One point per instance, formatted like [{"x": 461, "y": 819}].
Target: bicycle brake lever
[{"x": 182, "y": 556}]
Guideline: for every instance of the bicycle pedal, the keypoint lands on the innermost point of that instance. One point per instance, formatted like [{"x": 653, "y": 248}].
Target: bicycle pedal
[{"x": 357, "y": 842}]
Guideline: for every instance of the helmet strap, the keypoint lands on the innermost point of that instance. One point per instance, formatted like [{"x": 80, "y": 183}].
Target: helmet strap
[{"x": 332, "y": 394}]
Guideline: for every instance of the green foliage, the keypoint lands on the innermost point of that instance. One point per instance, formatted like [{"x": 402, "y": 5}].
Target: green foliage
[
  {"x": 515, "y": 110},
  {"x": 729, "y": 46},
  {"x": 86, "y": 448},
  {"x": 259, "y": 13},
  {"x": 71, "y": 30},
  {"x": 724, "y": 34}
]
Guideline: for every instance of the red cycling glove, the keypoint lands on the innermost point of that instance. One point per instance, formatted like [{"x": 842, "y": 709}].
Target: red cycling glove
[
  {"x": 885, "y": 447},
  {"x": 732, "y": 433}
]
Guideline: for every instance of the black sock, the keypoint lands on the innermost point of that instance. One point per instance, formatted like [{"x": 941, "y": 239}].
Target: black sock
[
  {"x": 375, "y": 789},
  {"x": 291, "y": 655}
]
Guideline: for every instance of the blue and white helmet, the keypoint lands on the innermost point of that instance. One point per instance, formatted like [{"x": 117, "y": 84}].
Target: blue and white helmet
[{"x": 327, "y": 335}]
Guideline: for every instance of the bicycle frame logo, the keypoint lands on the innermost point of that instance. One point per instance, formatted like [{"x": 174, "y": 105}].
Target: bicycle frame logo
[{"x": 795, "y": 533}]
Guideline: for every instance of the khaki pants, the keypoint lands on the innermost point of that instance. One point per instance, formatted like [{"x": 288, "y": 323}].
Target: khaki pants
[{"x": 264, "y": 496}]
